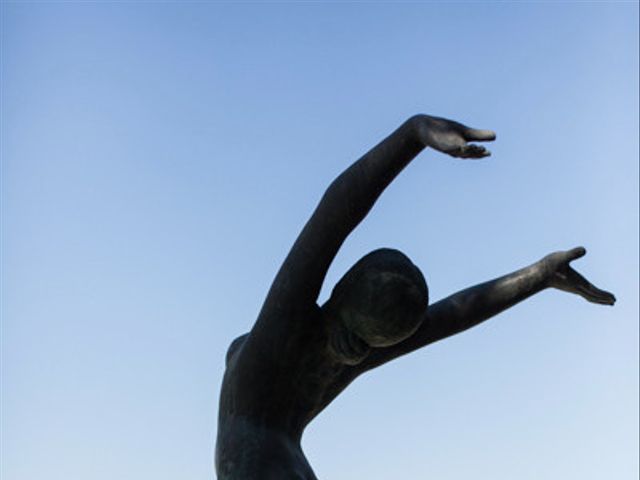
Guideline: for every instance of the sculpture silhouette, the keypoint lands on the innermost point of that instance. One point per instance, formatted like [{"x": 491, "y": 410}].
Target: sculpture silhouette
[{"x": 299, "y": 356}]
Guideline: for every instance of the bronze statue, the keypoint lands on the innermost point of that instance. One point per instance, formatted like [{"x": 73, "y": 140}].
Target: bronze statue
[{"x": 299, "y": 356}]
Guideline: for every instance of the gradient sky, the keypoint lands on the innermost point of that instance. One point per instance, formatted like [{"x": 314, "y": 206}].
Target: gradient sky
[{"x": 159, "y": 159}]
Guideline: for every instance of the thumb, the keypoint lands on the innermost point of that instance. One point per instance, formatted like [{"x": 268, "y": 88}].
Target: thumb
[
  {"x": 476, "y": 135},
  {"x": 576, "y": 253}
]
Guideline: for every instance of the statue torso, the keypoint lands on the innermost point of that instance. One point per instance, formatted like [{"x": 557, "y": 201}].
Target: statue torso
[{"x": 270, "y": 392}]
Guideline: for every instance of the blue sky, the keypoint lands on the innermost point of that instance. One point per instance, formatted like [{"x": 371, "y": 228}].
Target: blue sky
[{"x": 159, "y": 159}]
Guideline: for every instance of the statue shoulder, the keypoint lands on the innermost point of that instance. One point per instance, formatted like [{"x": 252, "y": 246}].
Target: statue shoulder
[{"x": 234, "y": 347}]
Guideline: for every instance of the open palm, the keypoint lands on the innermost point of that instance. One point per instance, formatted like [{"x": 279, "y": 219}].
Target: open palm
[
  {"x": 453, "y": 138},
  {"x": 563, "y": 277}
]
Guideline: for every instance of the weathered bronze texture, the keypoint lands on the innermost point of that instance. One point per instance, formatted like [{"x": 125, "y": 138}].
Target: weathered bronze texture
[{"x": 299, "y": 356}]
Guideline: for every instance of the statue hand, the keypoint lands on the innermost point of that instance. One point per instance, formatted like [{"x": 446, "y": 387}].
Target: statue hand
[
  {"x": 451, "y": 137},
  {"x": 563, "y": 277}
]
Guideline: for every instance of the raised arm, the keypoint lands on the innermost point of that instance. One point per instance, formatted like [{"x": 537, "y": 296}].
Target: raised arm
[
  {"x": 348, "y": 200},
  {"x": 474, "y": 305}
]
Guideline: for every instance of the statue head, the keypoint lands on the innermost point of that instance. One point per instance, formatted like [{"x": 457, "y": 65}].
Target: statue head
[{"x": 381, "y": 300}]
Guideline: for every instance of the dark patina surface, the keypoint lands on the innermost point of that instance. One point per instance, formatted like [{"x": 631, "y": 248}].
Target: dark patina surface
[{"x": 300, "y": 355}]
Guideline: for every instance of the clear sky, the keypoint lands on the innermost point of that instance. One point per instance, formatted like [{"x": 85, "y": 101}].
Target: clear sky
[{"x": 159, "y": 159}]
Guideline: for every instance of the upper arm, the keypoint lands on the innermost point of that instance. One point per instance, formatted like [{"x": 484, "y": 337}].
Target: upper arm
[{"x": 302, "y": 273}]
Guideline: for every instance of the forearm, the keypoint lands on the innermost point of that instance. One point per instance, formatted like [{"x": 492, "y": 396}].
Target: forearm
[
  {"x": 352, "y": 194},
  {"x": 466, "y": 309},
  {"x": 474, "y": 305}
]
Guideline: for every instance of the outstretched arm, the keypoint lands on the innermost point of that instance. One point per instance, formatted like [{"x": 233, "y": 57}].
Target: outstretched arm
[
  {"x": 348, "y": 200},
  {"x": 474, "y": 305}
]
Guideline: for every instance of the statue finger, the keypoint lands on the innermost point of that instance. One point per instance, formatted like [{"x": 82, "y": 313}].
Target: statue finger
[
  {"x": 576, "y": 253},
  {"x": 478, "y": 135},
  {"x": 474, "y": 151},
  {"x": 588, "y": 290},
  {"x": 595, "y": 295}
]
